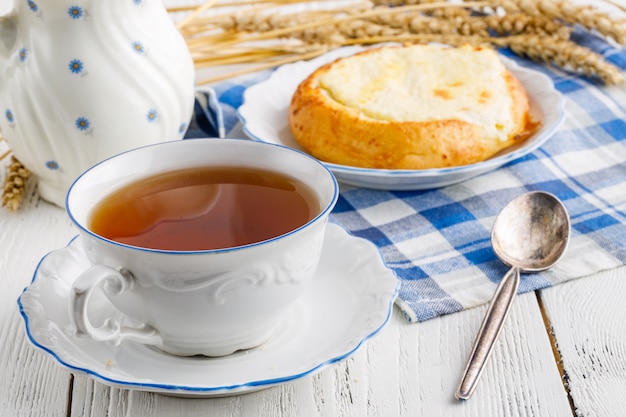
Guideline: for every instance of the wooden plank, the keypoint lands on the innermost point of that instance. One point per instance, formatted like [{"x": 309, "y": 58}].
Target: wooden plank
[
  {"x": 30, "y": 383},
  {"x": 406, "y": 370},
  {"x": 521, "y": 378},
  {"x": 588, "y": 318}
]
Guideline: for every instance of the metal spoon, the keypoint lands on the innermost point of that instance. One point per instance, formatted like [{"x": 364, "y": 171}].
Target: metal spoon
[{"x": 530, "y": 234}]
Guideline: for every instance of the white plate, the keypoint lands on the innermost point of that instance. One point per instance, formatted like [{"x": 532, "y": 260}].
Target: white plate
[
  {"x": 264, "y": 118},
  {"x": 350, "y": 300}
]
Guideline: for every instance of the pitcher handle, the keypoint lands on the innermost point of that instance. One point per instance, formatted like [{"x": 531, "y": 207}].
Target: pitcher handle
[{"x": 115, "y": 282}]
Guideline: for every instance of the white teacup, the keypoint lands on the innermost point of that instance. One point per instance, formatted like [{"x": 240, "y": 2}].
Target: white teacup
[{"x": 206, "y": 302}]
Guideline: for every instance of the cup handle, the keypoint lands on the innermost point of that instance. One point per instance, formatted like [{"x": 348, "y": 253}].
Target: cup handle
[{"x": 115, "y": 282}]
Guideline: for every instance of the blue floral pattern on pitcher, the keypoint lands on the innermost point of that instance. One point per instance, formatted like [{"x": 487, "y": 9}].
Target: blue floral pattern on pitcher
[
  {"x": 23, "y": 54},
  {"x": 138, "y": 47},
  {"x": 75, "y": 12},
  {"x": 52, "y": 165},
  {"x": 82, "y": 123},
  {"x": 32, "y": 5},
  {"x": 76, "y": 66},
  {"x": 49, "y": 145},
  {"x": 152, "y": 115}
]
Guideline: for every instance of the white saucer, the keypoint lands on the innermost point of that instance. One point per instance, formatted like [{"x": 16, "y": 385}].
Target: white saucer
[
  {"x": 264, "y": 111},
  {"x": 351, "y": 300}
]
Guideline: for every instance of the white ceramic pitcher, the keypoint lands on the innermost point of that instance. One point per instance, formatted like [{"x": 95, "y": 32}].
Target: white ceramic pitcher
[{"x": 82, "y": 80}]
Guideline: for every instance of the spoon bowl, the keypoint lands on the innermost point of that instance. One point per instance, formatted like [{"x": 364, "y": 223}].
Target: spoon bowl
[{"x": 530, "y": 234}]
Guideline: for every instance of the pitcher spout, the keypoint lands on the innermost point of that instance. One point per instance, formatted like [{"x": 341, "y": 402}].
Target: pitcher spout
[{"x": 8, "y": 28}]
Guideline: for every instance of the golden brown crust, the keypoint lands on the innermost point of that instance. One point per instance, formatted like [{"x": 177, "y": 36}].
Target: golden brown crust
[{"x": 333, "y": 132}]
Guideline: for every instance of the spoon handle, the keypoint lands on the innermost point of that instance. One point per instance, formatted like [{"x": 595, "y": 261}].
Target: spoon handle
[{"x": 488, "y": 333}]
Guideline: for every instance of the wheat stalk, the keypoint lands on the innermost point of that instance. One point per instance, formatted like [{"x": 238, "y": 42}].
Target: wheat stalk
[
  {"x": 616, "y": 4},
  {"x": 5, "y": 153},
  {"x": 332, "y": 21},
  {"x": 267, "y": 65},
  {"x": 584, "y": 15},
  {"x": 236, "y": 3},
  {"x": 14, "y": 182},
  {"x": 567, "y": 55},
  {"x": 195, "y": 13},
  {"x": 14, "y": 185},
  {"x": 242, "y": 36}
]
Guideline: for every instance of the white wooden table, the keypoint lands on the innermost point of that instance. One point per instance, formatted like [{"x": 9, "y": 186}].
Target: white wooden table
[{"x": 562, "y": 353}]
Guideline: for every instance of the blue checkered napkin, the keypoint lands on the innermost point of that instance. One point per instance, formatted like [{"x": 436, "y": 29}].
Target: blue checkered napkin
[
  {"x": 218, "y": 105},
  {"x": 438, "y": 241}
]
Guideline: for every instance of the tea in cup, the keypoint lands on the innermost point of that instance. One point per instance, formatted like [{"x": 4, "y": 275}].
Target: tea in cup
[{"x": 201, "y": 244}]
